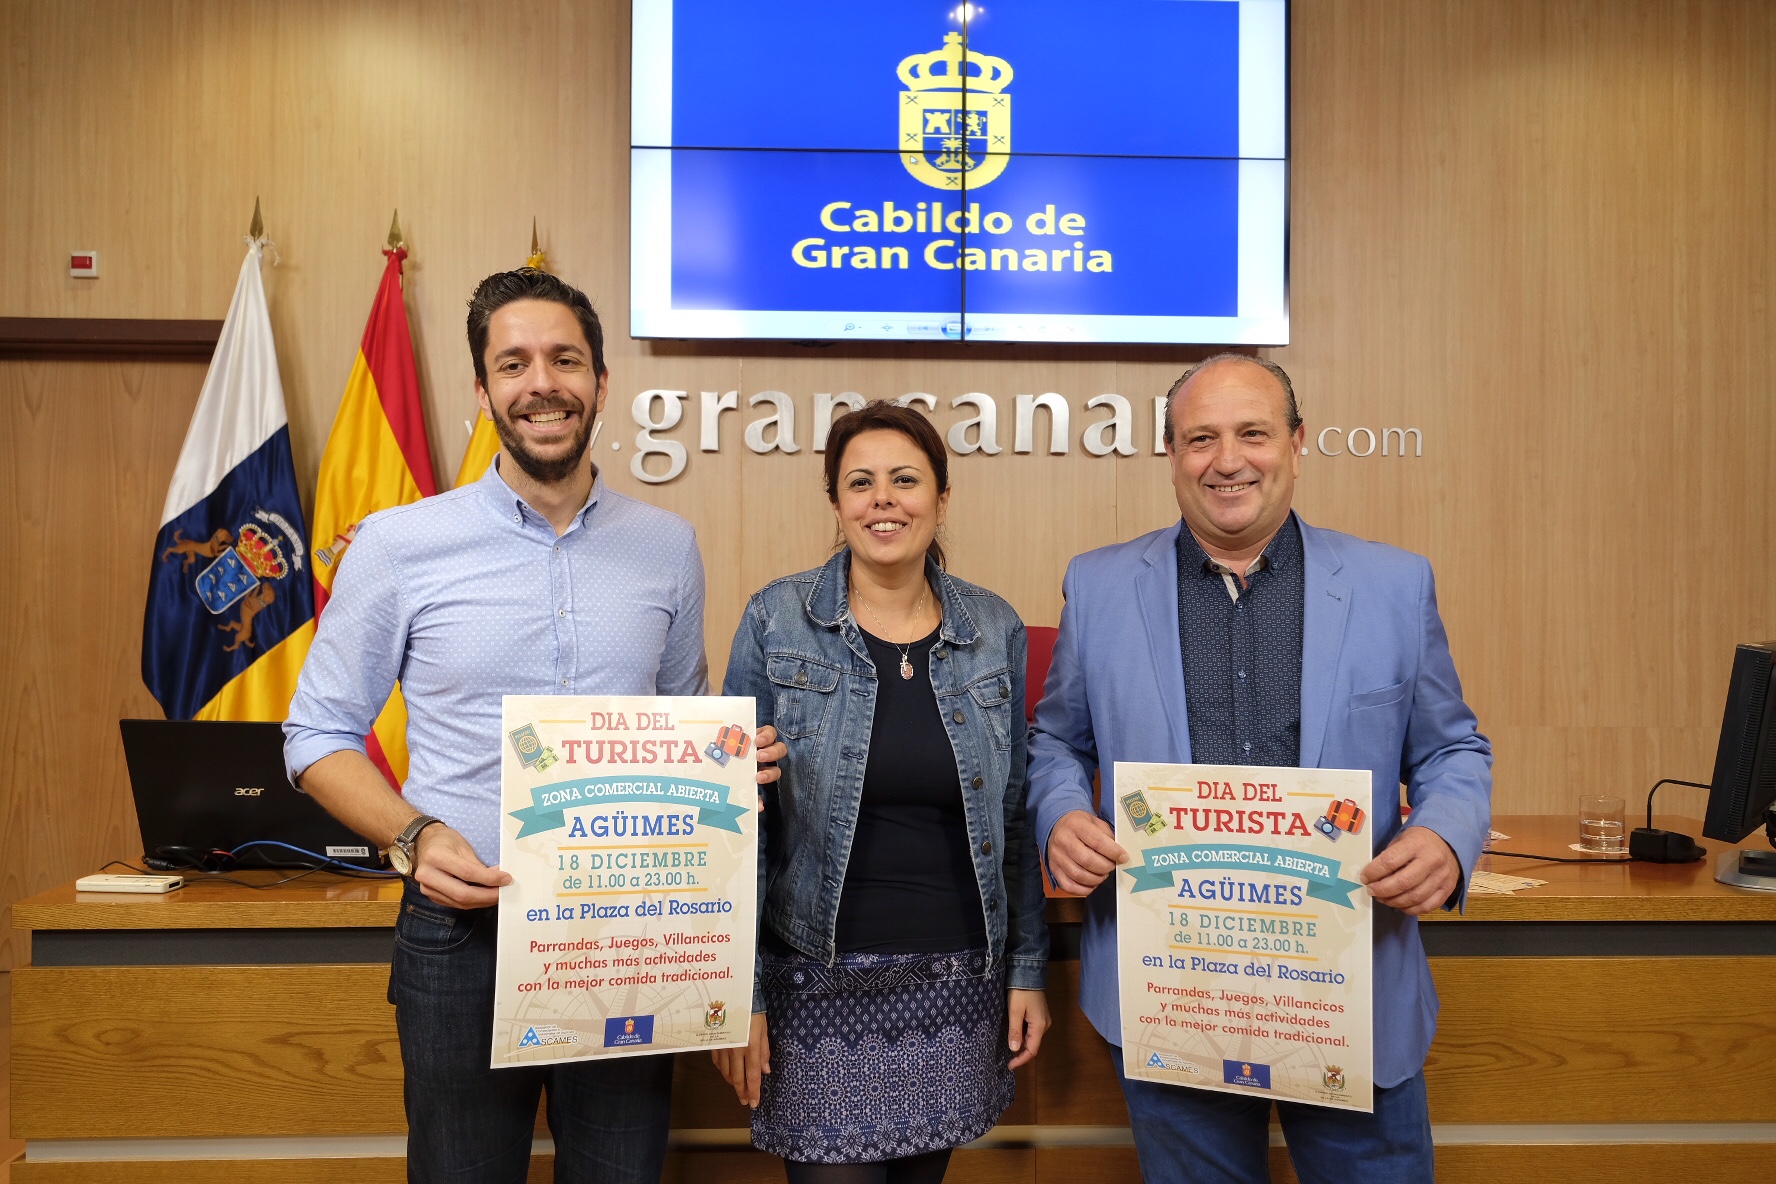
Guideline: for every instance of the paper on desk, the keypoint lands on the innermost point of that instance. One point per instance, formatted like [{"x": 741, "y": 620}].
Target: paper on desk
[{"x": 1498, "y": 884}]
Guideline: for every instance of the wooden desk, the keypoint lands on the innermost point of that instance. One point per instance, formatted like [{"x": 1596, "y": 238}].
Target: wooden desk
[{"x": 221, "y": 1033}]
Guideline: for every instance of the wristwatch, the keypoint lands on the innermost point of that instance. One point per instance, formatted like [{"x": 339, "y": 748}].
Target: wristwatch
[{"x": 402, "y": 852}]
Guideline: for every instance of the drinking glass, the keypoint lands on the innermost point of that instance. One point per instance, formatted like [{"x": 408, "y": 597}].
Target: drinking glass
[{"x": 1601, "y": 827}]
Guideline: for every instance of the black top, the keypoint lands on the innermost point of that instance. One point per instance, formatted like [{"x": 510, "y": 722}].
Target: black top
[
  {"x": 910, "y": 886},
  {"x": 1242, "y": 658}
]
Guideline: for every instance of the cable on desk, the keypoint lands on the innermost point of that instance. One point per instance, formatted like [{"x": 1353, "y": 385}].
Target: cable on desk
[
  {"x": 1553, "y": 858},
  {"x": 205, "y": 861},
  {"x": 350, "y": 869},
  {"x": 210, "y": 875},
  {"x": 1669, "y": 781}
]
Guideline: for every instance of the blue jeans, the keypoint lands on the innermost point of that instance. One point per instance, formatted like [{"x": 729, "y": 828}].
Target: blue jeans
[
  {"x": 469, "y": 1122},
  {"x": 1199, "y": 1136}
]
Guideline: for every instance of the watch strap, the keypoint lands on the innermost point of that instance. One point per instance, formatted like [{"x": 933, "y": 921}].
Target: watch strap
[
  {"x": 410, "y": 833},
  {"x": 408, "y": 839}
]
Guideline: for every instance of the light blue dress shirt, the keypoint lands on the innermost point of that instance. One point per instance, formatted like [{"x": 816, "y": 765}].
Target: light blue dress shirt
[{"x": 469, "y": 596}]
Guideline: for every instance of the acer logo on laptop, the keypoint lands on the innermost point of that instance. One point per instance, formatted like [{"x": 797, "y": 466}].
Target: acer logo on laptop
[{"x": 249, "y": 791}]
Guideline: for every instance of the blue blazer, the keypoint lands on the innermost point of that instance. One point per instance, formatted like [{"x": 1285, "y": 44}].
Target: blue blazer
[{"x": 1378, "y": 692}]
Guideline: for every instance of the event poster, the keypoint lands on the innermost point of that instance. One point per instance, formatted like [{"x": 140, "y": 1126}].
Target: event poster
[
  {"x": 1243, "y": 936},
  {"x": 630, "y": 828}
]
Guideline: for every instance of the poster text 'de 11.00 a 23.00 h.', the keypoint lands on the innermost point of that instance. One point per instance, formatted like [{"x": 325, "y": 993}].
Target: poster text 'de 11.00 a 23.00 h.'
[
  {"x": 1243, "y": 939},
  {"x": 630, "y": 828}
]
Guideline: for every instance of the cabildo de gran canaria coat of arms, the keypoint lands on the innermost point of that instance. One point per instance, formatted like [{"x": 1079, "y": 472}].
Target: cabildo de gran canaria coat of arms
[{"x": 955, "y": 119}]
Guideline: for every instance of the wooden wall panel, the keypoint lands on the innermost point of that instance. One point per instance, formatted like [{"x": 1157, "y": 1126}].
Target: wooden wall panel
[
  {"x": 380, "y": 1170},
  {"x": 682, "y": 1167},
  {"x": 1541, "y": 229},
  {"x": 246, "y": 1050},
  {"x": 1075, "y": 1080},
  {"x": 1603, "y": 1040},
  {"x": 1577, "y": 1161},
  {"x": 1101, "y": 1165},
  {"x": 1637, "y": 1161},
  {"x": 10, "y": 1148},
  {"x": 700, "y": 1098},
  {"x": 86, "y": 451},
  {"x": 258, "y": 1051},
  {"x": 1054, "y": 1165},
  {"x": 1538, "y": 230}
]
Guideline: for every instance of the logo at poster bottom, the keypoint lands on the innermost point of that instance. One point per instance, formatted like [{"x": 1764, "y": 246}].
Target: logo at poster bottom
[
  {"x": 621, "y": 1030},
  {"x": 1333, "y": 1077},
  {"x": 1246, "y": 1073},
  {"x": 539, "y": 1035}
]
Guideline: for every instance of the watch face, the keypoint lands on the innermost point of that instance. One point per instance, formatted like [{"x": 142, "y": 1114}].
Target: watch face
[{"x": 400, "y": 860}]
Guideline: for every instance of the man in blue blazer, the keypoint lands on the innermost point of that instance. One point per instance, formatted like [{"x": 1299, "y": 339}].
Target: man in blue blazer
[{"x": 1243, "y": 635}]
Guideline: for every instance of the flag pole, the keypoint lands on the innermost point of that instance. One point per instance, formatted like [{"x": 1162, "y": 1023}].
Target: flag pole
[
  {"x": 483, "y": 438},
  {"x": 536, "y": 258},
  {"x": 257, "y": 230},
  {"x": 395, "y": 241}
]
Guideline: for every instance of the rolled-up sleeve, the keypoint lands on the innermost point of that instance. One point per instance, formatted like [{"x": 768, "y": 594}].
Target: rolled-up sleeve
[{"x": 355, "y": 659}]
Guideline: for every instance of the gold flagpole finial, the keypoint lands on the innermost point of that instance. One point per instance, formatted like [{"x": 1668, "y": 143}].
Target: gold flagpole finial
[
  {"x": 395, "y": 241},
  {"x": 536, "y": 259},
  {"x": 257, "y": 229}
]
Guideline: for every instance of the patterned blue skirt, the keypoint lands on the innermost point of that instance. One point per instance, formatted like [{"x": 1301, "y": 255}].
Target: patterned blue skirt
[{"x": 881, "y": 1055}]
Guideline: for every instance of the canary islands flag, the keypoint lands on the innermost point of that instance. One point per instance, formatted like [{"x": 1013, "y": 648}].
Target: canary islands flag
[
  {"x": 377, "y": 457},
  {"x": 230, "y": 605}
]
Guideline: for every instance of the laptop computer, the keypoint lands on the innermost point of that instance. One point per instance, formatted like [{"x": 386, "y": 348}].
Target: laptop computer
[{"x": 211, "y": 785}]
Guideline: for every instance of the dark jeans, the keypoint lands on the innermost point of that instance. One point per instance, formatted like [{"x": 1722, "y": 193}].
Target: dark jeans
[
  {"x": 1200, "y": 1136},
  {"x": 469, "y": 1122}
]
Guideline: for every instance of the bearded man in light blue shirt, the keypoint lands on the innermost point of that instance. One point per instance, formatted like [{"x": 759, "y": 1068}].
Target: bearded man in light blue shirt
[{"x": 536, "y": 580}]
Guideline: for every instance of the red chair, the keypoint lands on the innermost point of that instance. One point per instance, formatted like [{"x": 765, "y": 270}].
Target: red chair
[{"x": 1042, "y": 648}]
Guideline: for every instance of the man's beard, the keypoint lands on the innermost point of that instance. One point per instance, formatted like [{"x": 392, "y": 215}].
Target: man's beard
[{"x": 537, "y": 468}]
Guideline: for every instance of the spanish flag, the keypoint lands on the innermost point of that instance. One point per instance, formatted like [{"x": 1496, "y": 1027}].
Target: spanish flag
[
  {"x": 376, "y": 457},
  {"x": 484, "y": 445},
  {"x": 484, "y": 442}
]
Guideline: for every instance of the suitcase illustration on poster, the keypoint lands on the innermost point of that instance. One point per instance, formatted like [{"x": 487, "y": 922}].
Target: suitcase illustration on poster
[
  {"x": 1343, "y": 816},
  {"x": 730, "y": 742}
]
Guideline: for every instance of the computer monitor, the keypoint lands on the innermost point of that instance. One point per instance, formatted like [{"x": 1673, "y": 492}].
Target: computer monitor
[{"x": 1744, "y": 785}]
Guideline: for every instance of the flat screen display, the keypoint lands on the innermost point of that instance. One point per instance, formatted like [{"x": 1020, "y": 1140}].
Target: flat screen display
[{"x": 1026, "y": 170}]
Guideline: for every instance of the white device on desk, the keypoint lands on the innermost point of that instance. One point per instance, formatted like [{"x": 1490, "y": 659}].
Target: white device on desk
[{"x": 143, "y": 884}]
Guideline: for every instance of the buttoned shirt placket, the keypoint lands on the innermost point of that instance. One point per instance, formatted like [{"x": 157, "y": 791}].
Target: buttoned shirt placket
[
  {"x": 1228, "y": 670},
  {"x": 561, "y": 588}
]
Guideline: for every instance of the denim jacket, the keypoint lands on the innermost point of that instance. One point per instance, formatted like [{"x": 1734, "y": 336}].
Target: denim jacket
[{"x": 799, "y": 653}]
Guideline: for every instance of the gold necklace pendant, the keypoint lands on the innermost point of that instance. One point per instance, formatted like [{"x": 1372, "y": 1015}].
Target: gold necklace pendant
[{"x": 906, "y": 662}]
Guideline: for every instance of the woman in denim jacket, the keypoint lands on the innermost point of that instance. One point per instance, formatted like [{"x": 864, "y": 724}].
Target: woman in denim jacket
[{"x": 901, "y": 946}]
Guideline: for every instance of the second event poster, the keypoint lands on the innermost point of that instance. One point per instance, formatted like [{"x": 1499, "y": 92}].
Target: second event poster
[
  {"x": 1244, "y": 945},
  {"x": 630, "y": 828}
]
